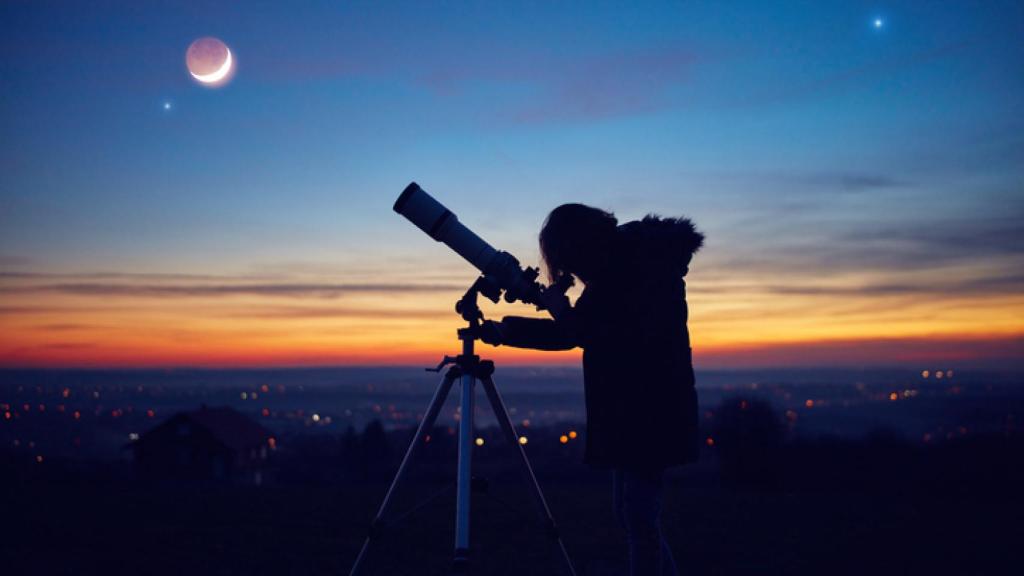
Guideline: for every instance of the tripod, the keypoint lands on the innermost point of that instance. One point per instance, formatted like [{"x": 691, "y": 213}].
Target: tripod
[{"x": 468, "y": 368}]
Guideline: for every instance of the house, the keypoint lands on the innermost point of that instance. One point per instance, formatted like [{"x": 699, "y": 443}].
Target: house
[{"x": 207, "y": 445}]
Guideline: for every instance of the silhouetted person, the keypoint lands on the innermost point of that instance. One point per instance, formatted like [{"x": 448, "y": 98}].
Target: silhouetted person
[{"x": 630, "y": 321}]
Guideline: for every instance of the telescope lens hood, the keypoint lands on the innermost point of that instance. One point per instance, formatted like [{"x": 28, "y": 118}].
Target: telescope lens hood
[{"x": 411, "y": 189}]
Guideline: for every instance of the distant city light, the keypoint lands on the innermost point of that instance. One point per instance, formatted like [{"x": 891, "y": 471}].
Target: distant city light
[
  {"x": 39, "y": 459},
  {"x": 19, "y": 413}
]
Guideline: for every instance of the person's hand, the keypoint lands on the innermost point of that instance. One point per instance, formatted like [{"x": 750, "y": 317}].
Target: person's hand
[
  {"x": 554, "y": 300},
  {"x": 490, "y": 333}
]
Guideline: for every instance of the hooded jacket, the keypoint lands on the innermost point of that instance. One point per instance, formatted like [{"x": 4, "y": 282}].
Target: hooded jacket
[{"x": 630, "y": 321}]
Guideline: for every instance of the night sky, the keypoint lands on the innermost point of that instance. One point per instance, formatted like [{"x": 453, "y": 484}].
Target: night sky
[{"x": 856, "y": 167}]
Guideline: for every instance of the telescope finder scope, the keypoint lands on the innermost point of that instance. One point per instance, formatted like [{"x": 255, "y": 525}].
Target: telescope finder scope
[{"x": 443, "y": 225}]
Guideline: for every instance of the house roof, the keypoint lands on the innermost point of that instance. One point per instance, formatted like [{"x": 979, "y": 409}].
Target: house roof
[{"x": 236, "y": 430}]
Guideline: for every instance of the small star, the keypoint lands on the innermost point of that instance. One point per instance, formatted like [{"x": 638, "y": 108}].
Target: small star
[
  {"x": 167, "y": 106},
  {"x": 878, "y": 23}
]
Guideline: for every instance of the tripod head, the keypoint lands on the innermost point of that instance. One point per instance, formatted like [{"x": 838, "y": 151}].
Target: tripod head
[
  {"x": 469, "y": 308},
  {"x": 490, "y": 288}
]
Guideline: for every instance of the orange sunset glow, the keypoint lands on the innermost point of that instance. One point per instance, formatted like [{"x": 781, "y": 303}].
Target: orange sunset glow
[{"x": 162, "y": 320}]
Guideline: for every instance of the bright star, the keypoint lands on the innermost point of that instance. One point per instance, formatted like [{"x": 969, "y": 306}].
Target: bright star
[
  {"x": 167, "y": 105},
  {"x": 878, "y": 23}
]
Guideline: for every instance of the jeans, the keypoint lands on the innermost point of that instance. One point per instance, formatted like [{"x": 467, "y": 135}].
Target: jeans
[{"x": 636, "y": 497}]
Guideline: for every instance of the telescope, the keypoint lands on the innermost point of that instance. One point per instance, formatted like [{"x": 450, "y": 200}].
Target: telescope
[
  {"x": 499, "y": 267},
  {"x": 501, "y": 272}
]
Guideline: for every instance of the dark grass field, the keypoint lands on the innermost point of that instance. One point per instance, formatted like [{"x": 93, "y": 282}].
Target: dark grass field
[{"x": 954, "y": 510}]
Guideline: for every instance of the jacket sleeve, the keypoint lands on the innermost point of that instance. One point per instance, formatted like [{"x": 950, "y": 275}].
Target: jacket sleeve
[{"x": 536, "y": 333}]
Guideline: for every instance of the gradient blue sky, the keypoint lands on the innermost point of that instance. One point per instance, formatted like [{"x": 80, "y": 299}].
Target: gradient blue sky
[{"x": 831, "y": 163}]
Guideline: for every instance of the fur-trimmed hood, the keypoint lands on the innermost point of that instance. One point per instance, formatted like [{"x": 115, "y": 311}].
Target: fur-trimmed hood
[{"x": 672, "y": 241}]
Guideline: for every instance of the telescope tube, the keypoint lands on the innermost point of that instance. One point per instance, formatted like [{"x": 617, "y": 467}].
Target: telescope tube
[{"x": 443, "y": 225}]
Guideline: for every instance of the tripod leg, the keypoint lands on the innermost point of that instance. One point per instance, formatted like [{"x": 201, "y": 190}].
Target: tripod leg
[
  {"x": 464, "y": 486},
  {"x": 425, "y": 425},
  {"x": 510, "y": 432}
]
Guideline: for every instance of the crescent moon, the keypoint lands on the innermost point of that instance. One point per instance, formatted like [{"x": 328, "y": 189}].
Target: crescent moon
[{"x": 218, "y": 74}]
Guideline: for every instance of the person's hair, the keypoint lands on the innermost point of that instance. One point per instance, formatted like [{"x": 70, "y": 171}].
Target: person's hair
[{"x": 575, "y": 239}]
